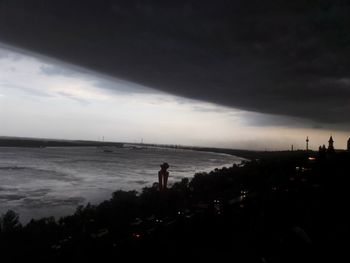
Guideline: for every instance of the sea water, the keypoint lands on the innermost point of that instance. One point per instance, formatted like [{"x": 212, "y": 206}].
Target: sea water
[{"x": 53, "y": 181}]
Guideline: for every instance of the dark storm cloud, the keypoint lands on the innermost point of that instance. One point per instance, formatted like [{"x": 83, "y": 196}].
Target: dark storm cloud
[{"x": 280, "y": 57}]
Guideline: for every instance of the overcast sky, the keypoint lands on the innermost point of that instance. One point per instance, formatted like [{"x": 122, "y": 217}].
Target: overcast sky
[{"x": 242, "y": 74}]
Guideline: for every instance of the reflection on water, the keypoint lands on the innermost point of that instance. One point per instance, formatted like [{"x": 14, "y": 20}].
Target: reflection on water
[{"x": 40, "y": 182}]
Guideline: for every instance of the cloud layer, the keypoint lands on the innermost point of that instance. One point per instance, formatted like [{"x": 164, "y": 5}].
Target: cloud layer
[{"x": 279, "y": 57}]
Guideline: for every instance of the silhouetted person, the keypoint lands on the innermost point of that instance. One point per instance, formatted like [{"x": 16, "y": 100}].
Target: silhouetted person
[{"x": 163, "y": 175}]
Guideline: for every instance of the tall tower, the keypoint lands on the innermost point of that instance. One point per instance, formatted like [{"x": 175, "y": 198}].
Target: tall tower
[
  {"x": 307, "y": 143},
  {"x": 330, "y": 145}
]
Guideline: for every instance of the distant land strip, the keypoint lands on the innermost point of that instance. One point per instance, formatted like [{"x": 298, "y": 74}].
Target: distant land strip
[{"x": 42, "y": 143}]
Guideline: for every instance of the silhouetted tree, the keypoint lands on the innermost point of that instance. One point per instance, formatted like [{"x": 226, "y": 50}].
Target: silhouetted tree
[{"x": 10, "y": 222}]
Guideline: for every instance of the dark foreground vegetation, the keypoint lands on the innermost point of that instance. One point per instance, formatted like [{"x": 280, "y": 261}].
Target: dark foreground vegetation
[{"x": 291, "y": 208}]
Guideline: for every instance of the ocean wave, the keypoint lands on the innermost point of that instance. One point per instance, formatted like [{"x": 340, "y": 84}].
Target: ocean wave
[{"x": 35, "y": 173}]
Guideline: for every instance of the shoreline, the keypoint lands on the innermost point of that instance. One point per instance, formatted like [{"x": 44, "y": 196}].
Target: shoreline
[{"x": 248, "y": 155}]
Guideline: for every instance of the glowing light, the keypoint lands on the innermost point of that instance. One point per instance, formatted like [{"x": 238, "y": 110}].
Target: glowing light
[{"x": 136, "y": 235}]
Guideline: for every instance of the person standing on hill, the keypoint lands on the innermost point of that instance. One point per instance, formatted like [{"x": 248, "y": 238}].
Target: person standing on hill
[{"x": 163, "y": 175}]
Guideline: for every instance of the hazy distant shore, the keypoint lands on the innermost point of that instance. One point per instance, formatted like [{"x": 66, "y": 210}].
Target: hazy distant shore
[
  {"x": 37, "y": 143},
  {"x": 40, "y": 143}
]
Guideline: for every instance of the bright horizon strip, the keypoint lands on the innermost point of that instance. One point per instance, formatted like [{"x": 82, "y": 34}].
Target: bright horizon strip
[{"x": 44, "y": 98}]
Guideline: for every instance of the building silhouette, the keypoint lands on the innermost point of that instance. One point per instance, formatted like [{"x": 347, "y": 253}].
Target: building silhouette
[
  {"x": 329, "y": 151},
  {"x": 330, "y": 148}
]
